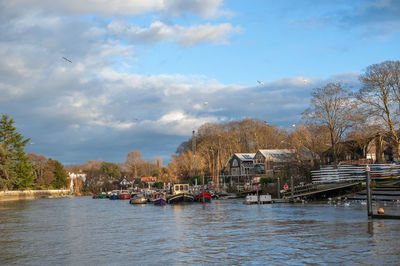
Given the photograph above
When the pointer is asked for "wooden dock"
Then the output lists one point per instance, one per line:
(384, 216)
(379, 215)
(319, 189)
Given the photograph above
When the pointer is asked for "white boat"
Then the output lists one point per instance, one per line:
(261, 199)
(137, 199)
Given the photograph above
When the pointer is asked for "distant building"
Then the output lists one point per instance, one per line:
(376, 149)
(149, 180)
(76, 181)
(125, 183)
(74, 176)
(270, 161)
(158, 161)
(241, 164)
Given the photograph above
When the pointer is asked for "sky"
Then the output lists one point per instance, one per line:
(95, 79)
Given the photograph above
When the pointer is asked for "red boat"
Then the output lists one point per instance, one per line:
(207, 197)
(124, 195)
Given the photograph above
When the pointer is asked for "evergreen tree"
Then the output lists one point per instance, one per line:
(3, 173)
(16, 171)
(60, 175)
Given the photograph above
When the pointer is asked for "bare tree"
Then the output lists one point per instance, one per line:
(381, 97)
(133, 158)
(332, 108)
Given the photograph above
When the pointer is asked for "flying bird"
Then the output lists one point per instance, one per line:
(66, 59)
(260, 82)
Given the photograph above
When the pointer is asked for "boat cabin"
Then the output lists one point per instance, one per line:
(180, 188)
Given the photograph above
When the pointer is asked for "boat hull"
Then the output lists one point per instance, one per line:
(114, 197)
(181, 198)
(207, 197)
(100, 196)
(138, 200)
(124, 196)
(160, 202)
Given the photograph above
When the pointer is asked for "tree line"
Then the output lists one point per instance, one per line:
(19, 170)
(104, 176)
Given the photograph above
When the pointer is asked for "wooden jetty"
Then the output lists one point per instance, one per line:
(369, 200)
(315, 190)
(319, 189)
(384, 216)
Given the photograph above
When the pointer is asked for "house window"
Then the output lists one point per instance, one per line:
(235, 163)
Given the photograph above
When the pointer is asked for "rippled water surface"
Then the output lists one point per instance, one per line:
(85, 231)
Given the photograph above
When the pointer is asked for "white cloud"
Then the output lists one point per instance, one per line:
(179, 123)
(185, 36)
(204, 8)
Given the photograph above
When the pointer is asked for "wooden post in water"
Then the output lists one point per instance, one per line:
(292, 188)
(279, 188)
(204, 200)
(368, 184)
(258, 196)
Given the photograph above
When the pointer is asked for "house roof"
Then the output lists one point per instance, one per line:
(245, 156)
(149, 179)
(279, 155)
(287, 155)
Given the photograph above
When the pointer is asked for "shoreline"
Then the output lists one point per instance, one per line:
(13, 195)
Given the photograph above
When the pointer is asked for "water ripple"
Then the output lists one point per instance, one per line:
(83, 231)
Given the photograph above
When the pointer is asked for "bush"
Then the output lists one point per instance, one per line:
(158, 185)
(265, 180)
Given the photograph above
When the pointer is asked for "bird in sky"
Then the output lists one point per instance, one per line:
(260, 82)
(66, 59)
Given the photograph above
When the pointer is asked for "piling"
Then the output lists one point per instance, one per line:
(292, 187)
(279, 188)
(369, 194)
(203, 198)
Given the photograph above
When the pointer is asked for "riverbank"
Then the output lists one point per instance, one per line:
(33, 194)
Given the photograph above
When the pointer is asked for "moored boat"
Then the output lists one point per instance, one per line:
(255, 199)
(180, 194)
(124, 195)
(160, 202)
(113, 196)
(137, 199)
(101, 195)
(207, 197)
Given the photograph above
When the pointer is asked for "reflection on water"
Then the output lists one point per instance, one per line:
(78, 231)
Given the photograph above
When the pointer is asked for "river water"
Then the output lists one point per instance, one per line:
(86, 231)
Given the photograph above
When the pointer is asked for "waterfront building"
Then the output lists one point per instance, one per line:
(241, 164)
(150, 180)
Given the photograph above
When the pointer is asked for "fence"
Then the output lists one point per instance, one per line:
(352, 173)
